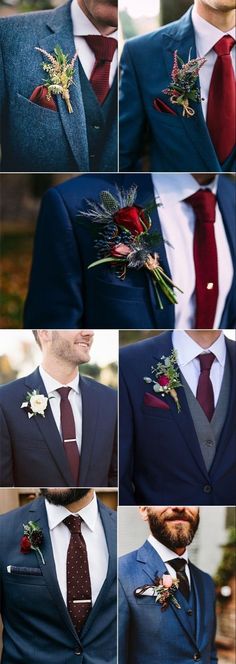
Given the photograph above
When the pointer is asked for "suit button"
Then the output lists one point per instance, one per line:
(207, 488)
(209, 443)
(78, 652)
(189, 612)
(96, 127)
(197, 656)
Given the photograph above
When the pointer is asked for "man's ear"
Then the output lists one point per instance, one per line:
(143, 511)
(44, 335)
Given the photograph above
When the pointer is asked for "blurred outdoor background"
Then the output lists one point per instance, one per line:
(213, 550)
(10, 7)
(131, 336)
(20, 355)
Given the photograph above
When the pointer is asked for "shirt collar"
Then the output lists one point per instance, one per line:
(52, 384)
(57, 513)
(164, 552)
(206, 34)
(174, 189)
(187, 349)
(82, 26)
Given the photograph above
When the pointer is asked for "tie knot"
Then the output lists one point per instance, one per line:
(64, 392)
(206, 360)
(224, 45)
(73, 523)
(102, 47)
(178, 564)
(203, 203)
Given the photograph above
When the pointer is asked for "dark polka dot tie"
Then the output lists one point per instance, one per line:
(179, 565)
(79, 595)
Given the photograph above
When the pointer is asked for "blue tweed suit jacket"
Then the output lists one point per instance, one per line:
(149, 635)
(177, 143)
(37, 626)
(39, 139)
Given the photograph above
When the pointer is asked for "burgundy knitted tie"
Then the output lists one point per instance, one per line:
(103, 49)
(69, 432)
(203, 203)
(79, 594)
(222, 100)
(205, 394)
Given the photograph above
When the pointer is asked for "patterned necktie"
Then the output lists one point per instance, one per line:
(69, 432)
(103, 49)
(203, 203)
(205, 393)
(222, 100)
(179, 565)
(79, 594)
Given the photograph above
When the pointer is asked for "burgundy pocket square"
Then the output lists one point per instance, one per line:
(40, 97)
(160, 106)
(155, 402)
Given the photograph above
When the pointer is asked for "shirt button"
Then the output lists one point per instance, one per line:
(197, 656)
(209, 443)
(207, 488)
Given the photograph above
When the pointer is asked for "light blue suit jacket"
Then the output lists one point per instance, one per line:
(35, 138)
(149, 635)
(177, 143)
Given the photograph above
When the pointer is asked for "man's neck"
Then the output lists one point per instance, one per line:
(63, 372)
(102, 27)
(80, 504)
(221, 19)
(204, 178)
(204, 338)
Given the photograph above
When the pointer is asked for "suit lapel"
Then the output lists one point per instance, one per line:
(90, 413)
(182, 38)
(49, 429)
(37, 512)
(74, 124)
(198, 587)
(219, 458)
(111, 539)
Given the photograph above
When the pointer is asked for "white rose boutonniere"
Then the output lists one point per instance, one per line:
(35, 403)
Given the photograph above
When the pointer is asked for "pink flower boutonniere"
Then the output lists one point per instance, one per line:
(32, 539)
(184, 84)
(167, 377)
(163, 589)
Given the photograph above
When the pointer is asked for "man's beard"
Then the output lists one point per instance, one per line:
(179, 536)
(64, 497)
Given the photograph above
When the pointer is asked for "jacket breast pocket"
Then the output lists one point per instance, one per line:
(35, 112)
(119, 291)
(23, 571)
(157, 413)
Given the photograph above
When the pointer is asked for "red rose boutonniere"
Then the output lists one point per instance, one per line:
(163, 589)
(167, 377)
(32, 539)
(184, 84)
(127, 241)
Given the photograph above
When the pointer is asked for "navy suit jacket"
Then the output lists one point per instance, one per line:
(177, 143)
(35, 138)
(148, 634)
(160, 456)
(63, 293)
(37, 626)
(31, 450)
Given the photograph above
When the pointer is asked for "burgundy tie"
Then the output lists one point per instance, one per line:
(203, 203)
(222, 100)
(79, 595)
(103, 49)
(69, 432)
(205, 394)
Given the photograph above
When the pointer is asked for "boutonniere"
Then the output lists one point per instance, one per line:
(184, 84)
(163, 589)
(60, 74)
(126, 240)
(36, 403)
(167, 377)
(32, 539)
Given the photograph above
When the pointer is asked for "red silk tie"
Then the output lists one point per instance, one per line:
(203, 203)
(222, 100)
(103, 49)
(79, 594)
(205, 394)
(69, 433)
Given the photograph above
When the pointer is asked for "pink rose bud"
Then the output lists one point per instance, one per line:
(167, 580)
(163, 380)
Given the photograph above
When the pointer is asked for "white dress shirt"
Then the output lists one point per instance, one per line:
(74, 397)
(94, 536)
(206, 36)
(82, 27)
(166, 554)
(177, 221)
(188, 350)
